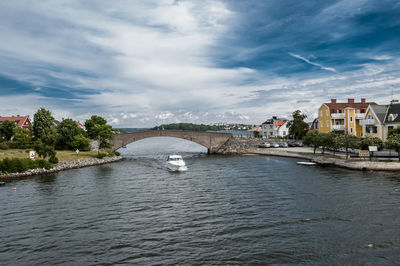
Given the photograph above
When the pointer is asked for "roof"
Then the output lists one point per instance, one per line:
(340, 106)
(395, 110)
(271, 120)
(19, 120)
(380, 111)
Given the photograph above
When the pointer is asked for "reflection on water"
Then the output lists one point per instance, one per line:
(224, 210)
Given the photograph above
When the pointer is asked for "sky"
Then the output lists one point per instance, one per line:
(152, 62)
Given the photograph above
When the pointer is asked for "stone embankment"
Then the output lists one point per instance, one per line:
(327, 161)
(239, 145)
(62, 166)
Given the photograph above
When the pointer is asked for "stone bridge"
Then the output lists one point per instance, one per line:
(213, 141)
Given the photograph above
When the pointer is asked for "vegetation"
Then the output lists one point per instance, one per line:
(393, 141)
(91, 123)
(67, 130)
(22, 138)
(42, 122)
(17, 165)
(45, 145)
(313, 138)
(297, 127)
(188, 126)
(6, 130)
(80, 143)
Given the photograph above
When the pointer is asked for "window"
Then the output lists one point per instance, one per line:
(327, 123)
(284, 133)
(351, 130)
(369, 116)
(351, 119)
(320, 113)
(337, 122)
(368, 130)
(327, 112)
(390, 128)
(322, 124)
(374, 130)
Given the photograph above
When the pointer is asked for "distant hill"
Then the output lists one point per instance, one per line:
(188, 126)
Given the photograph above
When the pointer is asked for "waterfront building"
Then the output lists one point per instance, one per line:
(20, 121)
(275, 127)
(380, 119)
(343, 117)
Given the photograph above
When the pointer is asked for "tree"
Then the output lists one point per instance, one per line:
(42, 122)
(368, 141)
(256, 133)
(312, 138)
(81, 143)
(297, 127)
(347, 142)
(393, 142)
(22, 137)
(326, 140)
(44, 146)
(66, 132)
(91, 123)
(103, 133)
(6, 130)
(394, 131)
(334, 143)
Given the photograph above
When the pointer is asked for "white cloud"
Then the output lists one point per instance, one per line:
(313, 63)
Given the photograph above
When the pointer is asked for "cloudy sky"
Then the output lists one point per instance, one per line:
(143, 63)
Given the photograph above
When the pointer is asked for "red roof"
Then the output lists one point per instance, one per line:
(21, 121)
(341, 106)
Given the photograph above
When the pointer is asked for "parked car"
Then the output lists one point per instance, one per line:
(283, 144)
(274, 145)
(297, 143)
(264, 145)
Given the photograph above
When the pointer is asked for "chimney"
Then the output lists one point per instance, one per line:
(350, 100)
(362, 100)
(333, 100)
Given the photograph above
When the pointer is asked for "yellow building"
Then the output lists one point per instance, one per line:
(343, 117)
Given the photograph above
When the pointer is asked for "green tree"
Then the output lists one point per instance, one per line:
(42, 122)
(393, 142)
(313, 138)
(22, 137)
(347, 142)
(103, 133)
(66, 132)
(297, 127)
(6, 130)
(334, 143)
(44, 146)
(91, 123)
(327, 141)
(364, 143)
(81, 143)
(394, 131)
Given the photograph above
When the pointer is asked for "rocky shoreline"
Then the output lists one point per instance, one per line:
(61, 166)
(326, 161)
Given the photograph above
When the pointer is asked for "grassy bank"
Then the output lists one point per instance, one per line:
(63, 156)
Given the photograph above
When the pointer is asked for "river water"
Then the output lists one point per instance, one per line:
(223, 210)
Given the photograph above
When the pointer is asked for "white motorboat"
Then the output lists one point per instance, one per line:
(176, 163)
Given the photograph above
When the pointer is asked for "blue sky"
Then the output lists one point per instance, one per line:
(143, 63)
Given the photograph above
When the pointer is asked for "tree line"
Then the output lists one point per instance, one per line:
(188, 126)
(45, 137)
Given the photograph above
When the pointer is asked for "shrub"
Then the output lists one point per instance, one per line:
(116, 153)
(53, 160)
(101, 155)
(3, 146)
(113, 153)
(43, 164)
(16, 165)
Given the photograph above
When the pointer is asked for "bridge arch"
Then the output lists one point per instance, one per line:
(211, 140)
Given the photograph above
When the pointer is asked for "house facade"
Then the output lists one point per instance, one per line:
(343, 117)
(380, 119)
(20, 121)
(275, 127)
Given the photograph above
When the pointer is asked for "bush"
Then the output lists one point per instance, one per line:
(53, 160)
(113, 153)
(16, 165)
(3, 146)
(101, 155)
(116, 153)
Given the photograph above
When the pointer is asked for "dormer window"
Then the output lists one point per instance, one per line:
(390, 117)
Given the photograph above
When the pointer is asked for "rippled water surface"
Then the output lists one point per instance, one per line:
(223, 210)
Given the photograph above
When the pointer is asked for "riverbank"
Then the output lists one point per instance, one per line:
(306, 153)
(61, 166)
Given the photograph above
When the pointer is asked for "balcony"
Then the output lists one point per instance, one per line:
(360, 115)
(367, 122)
(338, 116)
(338, 127)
